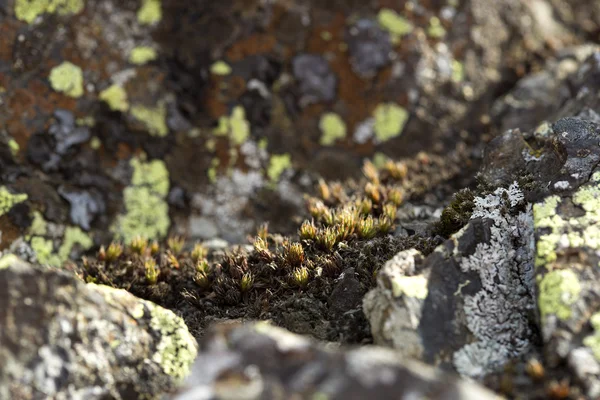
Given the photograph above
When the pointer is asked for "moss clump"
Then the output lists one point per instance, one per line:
(8, 200)
(395, 24)
(390, 119)
(277, 164)
(146, 209)
(116, 98)
(332, 128)
(457, 213)
(67, 78)
(29, 10)
(558, 291)
(220, 68)
(142, 55)
(235, 126)
(154, 118)
(150, 12)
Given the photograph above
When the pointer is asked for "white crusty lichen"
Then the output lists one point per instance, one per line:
(497, 313)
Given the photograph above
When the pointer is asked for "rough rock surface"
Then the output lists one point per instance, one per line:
(260, 361)
(63, 339)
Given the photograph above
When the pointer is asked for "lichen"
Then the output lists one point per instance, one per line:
(73, 236)
(411, 286)
(150, 12)
(558, 291)
(116, 98)
(13, 146)
(154, 118)
(435, 28)
(142, 54)
(395, 24)
(235, 126)
(332, 128)
(458, 71)
(67, 78)
(7, 260)
(29, 10)
(8, 200)
(220, 68)
(146, 209)
(277, 164)
(390, 119)
(177, 348)
(44, 251)
(593, 341)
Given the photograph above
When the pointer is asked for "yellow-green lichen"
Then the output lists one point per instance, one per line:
(142, 54)
(73, 236)
(177, 348)
(146, 208)
(390, 119)
(410, 286)
(380, 159)
(8, 200)
(155, 118)
(95, 143)
(29, 10)
(435, 29)
(150, 12)
(332, 128)
(588, 197)
(44, 251)
(558, 291)
(7, 260)
(13, 147)
(277, 164)
(116, 98)
(235, 126)
(458, 71)
(593, 341)
(220, 68)
(67, 78)
(44, 248)
(395, 24)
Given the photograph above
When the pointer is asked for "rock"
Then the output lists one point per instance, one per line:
(260, 361)
(65, 339)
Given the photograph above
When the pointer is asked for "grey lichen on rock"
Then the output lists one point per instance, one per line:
(67, 339)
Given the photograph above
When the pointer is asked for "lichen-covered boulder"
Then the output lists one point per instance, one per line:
(260, 361)
(63, 339)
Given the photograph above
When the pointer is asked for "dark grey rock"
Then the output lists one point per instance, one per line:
(316, 80)
(369, 46)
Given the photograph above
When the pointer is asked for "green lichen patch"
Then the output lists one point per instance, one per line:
(67, 78)
(435, 28)
(155, 118)
(277, 164)
(116, 98)
(558, 291)
(45, 251)
(220, 68)
(177, 348)
(146, 209)
(458, 71)
(593, 341)
(390, 119)
(29, 10)
(332, 128)
(235, 126)
(13, 146)
(8, 200)
(395, 24)
(142, 54)
(150, 12)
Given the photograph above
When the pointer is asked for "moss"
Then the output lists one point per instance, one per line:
(67, 78)
(332, 128)
(8, 199)
(116, 98)
(457, 213)
(142, 54)
(150, 12)
(410, 286)
(277, 164)
(395, 24)
(29, 10)
(177, 348)
(155, 118)
(220, 68)
(558, 291)
(390, 119)
(146, 209)
(435, 28)
(235, 126)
